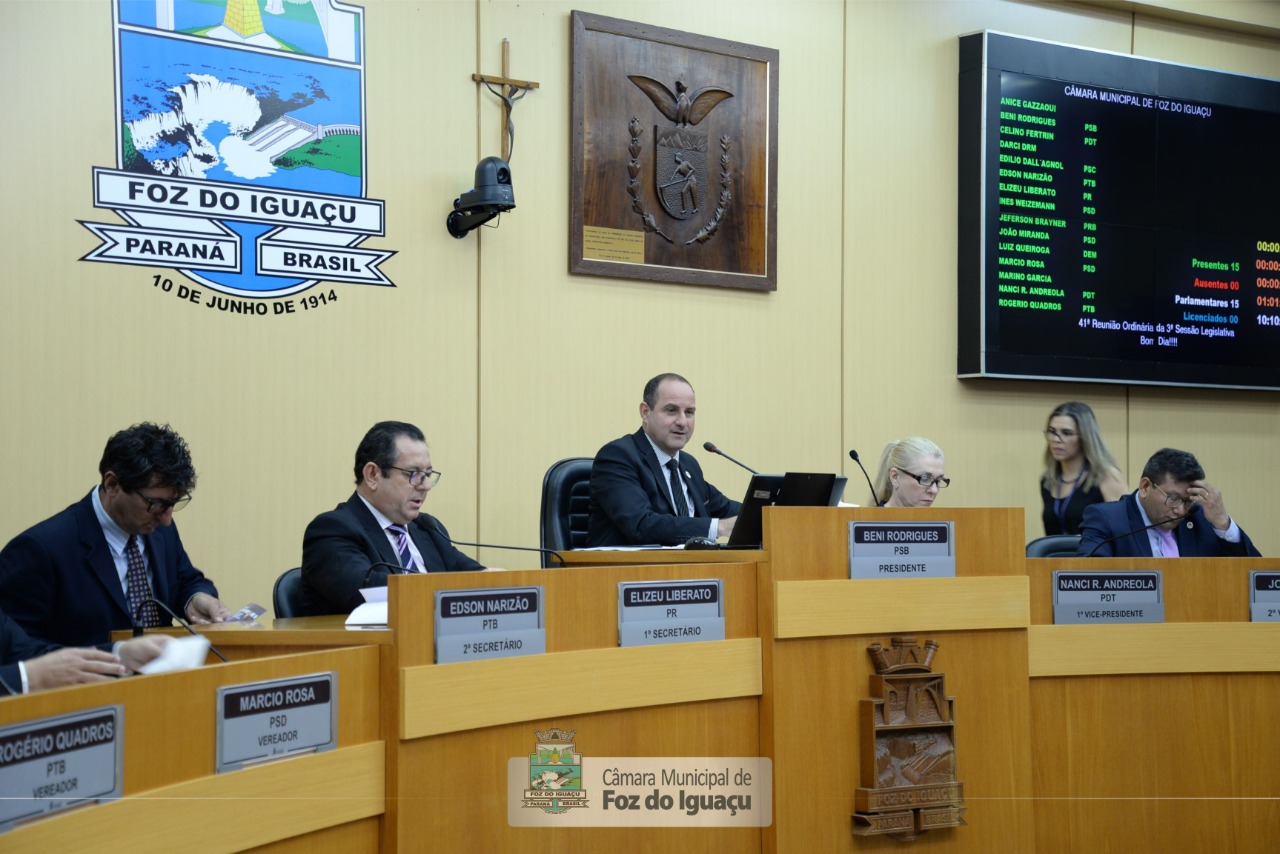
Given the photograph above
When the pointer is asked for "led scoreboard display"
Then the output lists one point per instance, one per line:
(1119, 218)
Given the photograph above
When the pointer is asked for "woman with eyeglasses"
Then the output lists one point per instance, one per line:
(1078, 468)
(911, 473)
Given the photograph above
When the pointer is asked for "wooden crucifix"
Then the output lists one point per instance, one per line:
(511, 91)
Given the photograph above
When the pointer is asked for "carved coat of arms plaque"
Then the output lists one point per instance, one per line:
(909, 784)
(674, 171)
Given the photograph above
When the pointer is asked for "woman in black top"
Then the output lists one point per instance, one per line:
(1079, 469)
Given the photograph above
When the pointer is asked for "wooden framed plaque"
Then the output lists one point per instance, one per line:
(674, 156)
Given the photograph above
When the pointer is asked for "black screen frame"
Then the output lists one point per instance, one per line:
(982, 58)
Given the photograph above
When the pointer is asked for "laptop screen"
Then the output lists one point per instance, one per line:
(793, 489)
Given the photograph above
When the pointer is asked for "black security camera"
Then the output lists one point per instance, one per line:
(491, 196)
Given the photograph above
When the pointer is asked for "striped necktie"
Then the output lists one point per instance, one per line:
(678, 502)
(402, 547)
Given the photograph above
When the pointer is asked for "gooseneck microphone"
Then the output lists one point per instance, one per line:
(137, 626)
(9, 688)
(853, 455)
(394, 569)
(711, 448)
(1195, 508)
(435, 526)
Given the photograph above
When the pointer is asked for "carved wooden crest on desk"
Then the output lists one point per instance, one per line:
(909, 784)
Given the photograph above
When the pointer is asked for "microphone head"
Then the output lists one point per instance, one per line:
(853, 455)
(709, 447)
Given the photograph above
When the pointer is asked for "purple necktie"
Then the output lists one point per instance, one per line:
(402, 547)
(1168, 545)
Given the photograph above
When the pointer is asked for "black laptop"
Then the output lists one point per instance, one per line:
(793, 489)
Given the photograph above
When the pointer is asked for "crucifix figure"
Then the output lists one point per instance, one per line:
(510, 92)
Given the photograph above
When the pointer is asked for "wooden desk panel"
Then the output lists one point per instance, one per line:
(1157, 763)
(817, 671)
(581, 608)
(172, 795)
(988, 541)
(267, 637)
(1155, 737)
(1208, 590)
(670, 700)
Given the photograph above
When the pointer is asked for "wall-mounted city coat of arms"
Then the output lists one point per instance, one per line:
(674, 174)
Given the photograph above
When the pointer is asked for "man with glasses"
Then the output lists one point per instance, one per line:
(103, 563)
(380, 529)
(1186, 512)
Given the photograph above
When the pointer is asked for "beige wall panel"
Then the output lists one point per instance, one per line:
(563, 358)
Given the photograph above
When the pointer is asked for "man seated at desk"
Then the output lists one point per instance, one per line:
(96, 567)
(381, 528)
(27, 664)
(645, 490)
(1186, 514)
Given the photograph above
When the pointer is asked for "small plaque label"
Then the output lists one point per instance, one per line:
(500, 622)
(651, 612)
(259, 721)
(55, 763)
(612, 244)
(1264, 596)
(1134, 596)
(902, 550)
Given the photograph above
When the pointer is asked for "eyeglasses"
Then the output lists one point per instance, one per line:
(1173, 502)
(418, 478)
(928, 480)
(1063, 435)
(157, 506)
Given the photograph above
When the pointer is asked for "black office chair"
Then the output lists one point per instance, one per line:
(286, 596)
(1057, 545)
(566, 506)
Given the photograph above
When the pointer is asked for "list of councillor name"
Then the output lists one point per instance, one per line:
(1089, 247)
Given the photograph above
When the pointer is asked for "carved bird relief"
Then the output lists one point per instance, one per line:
(682, 108)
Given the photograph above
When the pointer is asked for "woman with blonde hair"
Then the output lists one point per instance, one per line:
(911, 473)
(1078, 468)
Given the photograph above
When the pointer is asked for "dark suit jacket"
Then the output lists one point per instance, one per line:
(16, 645)
(59, 582)
(630, 500)
(1195, 535)
(339, 547)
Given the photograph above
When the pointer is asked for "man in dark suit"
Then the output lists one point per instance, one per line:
(27, 664)
(1192, 519)
(94, 568)
(644, 490)
(380, 528)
